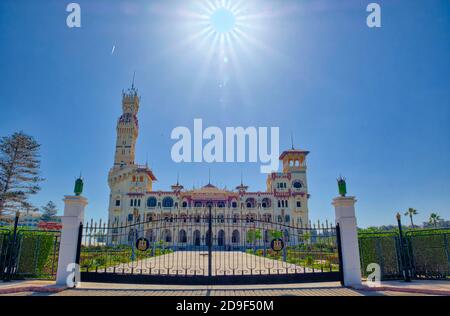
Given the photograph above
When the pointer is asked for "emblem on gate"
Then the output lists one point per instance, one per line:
(277, 244)
(142, 244)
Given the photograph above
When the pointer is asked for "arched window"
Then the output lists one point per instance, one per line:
(221, 205)
(151, 202)
(184, 204)
(235, 237)
(250, 218)
(167, 202)
(287, 218)
(221, 238)
(182, 237)
(266, 203)
(132, 235)
(220, 218)
(250, 203)
(166, 235)
(198, 204)
(280, 219)
(196, 238)
(234, 204)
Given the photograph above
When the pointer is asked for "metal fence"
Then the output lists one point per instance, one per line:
(383, 249)
(5, 237)
(418, 254)
(208, 249)
(26, 253)
(429, 253)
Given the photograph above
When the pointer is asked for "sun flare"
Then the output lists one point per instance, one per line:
(223, 20)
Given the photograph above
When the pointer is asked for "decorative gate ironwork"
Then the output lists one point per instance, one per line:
(182, 250)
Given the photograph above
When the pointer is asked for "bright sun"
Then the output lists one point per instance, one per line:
(229, 34)
(223, 20)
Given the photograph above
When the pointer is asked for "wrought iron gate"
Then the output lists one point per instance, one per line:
(206, 249)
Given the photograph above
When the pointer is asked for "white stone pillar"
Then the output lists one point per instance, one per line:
(73, 216)
(345, 217)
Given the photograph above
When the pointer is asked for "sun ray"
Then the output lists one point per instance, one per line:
(229, 37)
(200, 78)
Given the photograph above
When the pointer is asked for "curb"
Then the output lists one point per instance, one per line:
(39, 289)
(404, 290)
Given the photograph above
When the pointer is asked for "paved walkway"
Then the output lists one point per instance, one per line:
(37, 286)
(431, 287)
(394, 288)
(196, 263)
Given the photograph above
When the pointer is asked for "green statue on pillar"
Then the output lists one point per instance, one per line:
(342, 186)
(78, 186)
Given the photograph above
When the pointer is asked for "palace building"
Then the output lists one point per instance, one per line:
(132, 198)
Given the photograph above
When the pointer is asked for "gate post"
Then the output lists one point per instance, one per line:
(345, 217)
(73, 217)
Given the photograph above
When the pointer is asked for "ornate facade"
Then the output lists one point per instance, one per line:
(132, 197)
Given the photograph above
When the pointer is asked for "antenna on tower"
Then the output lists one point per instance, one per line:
(242, 182)
(292, 141)
(209, 176)
(132, 84)
(146, 159)
(178, 177)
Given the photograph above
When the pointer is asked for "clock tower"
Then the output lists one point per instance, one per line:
(127, 129)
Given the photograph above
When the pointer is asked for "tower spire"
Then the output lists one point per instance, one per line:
(132, 83)
(292, 141)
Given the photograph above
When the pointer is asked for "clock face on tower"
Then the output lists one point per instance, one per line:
(297, 184)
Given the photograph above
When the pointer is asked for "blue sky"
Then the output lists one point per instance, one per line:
(370, 104)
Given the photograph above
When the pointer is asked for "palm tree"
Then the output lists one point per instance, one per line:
(411, 212)
(434, 219)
